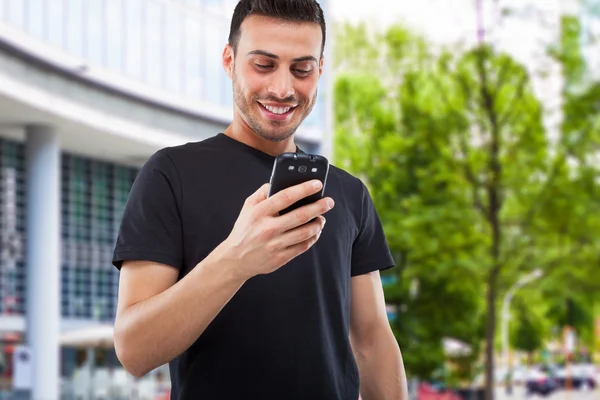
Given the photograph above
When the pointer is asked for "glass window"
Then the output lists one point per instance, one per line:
(68, 362)
(94, 195)
(154, 44)
(36, 20)
(193, 59)
(133, 38)
(212, 43)
(16, 13)
(114, 35)
(95, 20)
(56, 23)
(308, 147)
(12, 245)
(214, 6)
(194, 3)
(76, 35)
(173, 58)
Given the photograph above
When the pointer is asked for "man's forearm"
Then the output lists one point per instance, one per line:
(381, 368)
(153, 332)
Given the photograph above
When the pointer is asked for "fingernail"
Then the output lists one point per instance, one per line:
(324, 220)
(330, 203)
(317, 184)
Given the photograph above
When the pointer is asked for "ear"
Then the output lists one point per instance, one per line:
(321, 62)
(228, 60)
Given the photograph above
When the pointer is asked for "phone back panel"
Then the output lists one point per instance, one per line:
(290, 169)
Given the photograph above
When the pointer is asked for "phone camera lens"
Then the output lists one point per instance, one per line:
(302, 169)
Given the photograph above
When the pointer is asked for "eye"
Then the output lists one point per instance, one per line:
(263, 66)
(302, 72)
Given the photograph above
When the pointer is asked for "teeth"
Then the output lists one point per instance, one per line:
(277, 110)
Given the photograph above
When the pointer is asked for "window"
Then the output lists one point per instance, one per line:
(154, 32)
(133, 42)
(16, 13)
(194, 3)
(94, 30)
(36, 18)
(56, 23)
(94, 196)
(213, 41)
(193, 59)
(173, 49)
(216, 7)
(74, 28)
(12, 243)
(114, 35)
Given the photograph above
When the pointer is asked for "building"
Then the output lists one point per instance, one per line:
(89, 89)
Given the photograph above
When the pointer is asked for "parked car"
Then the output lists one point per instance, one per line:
(540, 381)
(579, 376)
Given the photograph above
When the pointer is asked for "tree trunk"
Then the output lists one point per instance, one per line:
(530, 358)
(490, 334)
(493, 187)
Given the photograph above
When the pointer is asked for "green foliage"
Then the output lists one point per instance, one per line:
(528, 329)
(472, 188)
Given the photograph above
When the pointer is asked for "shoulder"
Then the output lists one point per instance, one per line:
(348, 192)
(179, 157)
(349, 183)
(187, 151)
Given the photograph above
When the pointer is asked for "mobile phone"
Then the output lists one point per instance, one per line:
(290, 169)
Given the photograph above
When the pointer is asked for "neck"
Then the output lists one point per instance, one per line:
(243, 133)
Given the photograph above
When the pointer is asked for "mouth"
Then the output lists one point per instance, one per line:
(278, 113)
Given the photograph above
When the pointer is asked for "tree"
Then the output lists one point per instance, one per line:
(528, 332)
(471, 187)
(443, 265)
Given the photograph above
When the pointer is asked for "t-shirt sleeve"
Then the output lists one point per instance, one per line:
(151, 228)
(370, 251)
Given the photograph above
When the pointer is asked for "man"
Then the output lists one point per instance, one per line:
(244, 303)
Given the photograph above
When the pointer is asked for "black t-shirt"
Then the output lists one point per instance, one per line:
(283, 335)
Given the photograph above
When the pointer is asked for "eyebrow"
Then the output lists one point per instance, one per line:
(276, 57)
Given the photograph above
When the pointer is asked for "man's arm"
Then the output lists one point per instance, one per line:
(380, 365)
(157, 318)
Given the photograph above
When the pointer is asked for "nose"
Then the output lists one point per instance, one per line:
(282, 85)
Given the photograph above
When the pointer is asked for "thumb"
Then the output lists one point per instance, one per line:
(259, 195)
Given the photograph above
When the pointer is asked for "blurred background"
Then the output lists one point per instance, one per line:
(474, 123)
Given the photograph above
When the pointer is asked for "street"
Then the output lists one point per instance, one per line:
(519, 394)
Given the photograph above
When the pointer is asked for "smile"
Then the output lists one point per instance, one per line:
(277, 112)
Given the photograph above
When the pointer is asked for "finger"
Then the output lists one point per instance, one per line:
(259, 196)
(300, 234)
(294, 251)
(304, 214)
(285, 198)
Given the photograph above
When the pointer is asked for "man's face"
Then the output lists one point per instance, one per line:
(275, 74)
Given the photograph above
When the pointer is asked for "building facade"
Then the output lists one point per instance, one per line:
(89, 89)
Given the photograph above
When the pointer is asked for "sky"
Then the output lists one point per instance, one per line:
(523, 35)
(441, 20)
(444, 20)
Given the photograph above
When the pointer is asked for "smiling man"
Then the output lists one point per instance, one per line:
(242, 302)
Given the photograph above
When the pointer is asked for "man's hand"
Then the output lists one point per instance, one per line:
(262, 240)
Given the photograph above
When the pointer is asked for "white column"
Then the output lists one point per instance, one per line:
(43, 258)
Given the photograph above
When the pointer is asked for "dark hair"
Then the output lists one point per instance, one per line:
(289, 10)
